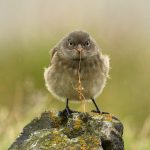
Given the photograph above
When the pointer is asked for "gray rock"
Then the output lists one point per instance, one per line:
(78, 131)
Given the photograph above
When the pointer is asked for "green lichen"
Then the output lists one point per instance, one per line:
(79, 131)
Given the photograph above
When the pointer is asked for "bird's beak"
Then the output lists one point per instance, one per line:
(79, 48)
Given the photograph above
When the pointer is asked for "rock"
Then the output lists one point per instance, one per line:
(78, 131)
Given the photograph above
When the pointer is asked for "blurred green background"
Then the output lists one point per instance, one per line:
(29, 29)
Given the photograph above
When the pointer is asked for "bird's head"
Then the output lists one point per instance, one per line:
(76, 43)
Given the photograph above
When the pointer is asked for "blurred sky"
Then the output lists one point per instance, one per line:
(29, 28)
(113, 18)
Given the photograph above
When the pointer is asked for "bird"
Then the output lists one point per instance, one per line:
(78, 69)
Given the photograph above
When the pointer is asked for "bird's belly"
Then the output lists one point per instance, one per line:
(64, 83)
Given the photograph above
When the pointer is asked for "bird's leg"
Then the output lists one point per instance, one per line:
(67, 107)
(97, 109)
(67, 111)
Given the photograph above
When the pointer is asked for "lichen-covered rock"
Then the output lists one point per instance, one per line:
(78, 131)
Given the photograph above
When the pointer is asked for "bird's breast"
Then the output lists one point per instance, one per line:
(89, 72)
(63, 78)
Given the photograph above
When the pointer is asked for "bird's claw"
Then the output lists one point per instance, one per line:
(96, 111)
(99, 112)
(67, 112)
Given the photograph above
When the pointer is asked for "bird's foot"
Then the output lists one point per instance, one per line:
(67, 112)
(99, 112)
(96, 111)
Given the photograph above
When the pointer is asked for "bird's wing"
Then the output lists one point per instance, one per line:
(53, 51)
(105, 67)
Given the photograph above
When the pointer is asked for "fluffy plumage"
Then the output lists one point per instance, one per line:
(61, 76)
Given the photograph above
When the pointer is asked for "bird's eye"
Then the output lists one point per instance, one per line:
(70, 44)
(87, 43)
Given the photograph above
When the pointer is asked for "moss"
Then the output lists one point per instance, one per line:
(79, 131)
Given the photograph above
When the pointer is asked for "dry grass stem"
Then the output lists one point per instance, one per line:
(80, 88)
